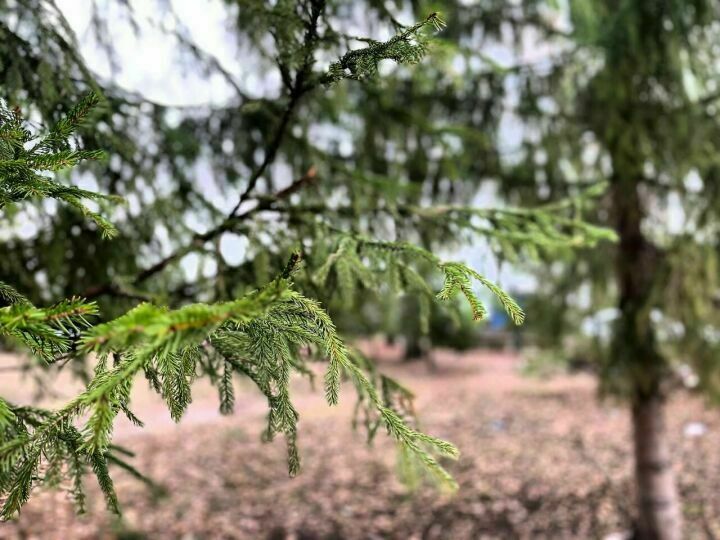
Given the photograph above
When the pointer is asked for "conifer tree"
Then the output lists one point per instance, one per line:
(625, 92)
(262, 319)
(648, 110)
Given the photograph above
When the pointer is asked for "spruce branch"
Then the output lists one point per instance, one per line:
(409, 46)
(25, 157)
(351, 272)
(266, 336)
(300, 85)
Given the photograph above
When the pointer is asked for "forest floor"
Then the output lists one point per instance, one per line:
(540, 459)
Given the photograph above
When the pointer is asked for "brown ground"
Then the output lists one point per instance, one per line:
(541, 459)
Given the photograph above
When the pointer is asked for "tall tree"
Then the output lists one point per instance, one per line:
(627, 92)
(651, 109)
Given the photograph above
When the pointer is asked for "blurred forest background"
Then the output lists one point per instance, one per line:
(565, 149)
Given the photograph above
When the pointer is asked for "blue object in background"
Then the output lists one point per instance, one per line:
(499, 320)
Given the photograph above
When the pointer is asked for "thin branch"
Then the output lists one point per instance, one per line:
(271, 152)
(300, 87)
(198, 240)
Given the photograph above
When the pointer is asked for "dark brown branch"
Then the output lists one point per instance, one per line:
(297, 185)
(198, 240)
(300, 86)
(271, 151)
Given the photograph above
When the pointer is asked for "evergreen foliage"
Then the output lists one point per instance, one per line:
(26, 159)
(407, 47)
(261, 336)
(359, 223)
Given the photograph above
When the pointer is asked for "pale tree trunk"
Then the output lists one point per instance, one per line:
(658, 503)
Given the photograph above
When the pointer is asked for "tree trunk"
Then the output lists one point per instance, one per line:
(414, 349)
(638, 362)
(659, 506)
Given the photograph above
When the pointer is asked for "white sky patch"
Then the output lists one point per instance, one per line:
(233, 248)
(190, 264)
(148, 60)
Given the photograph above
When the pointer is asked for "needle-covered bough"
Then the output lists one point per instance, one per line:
(266, 335)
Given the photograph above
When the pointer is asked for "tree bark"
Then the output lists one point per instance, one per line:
(637, 357)
(414, 349)
(658, 503)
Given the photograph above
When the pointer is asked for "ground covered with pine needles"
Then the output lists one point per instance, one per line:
(540, 459)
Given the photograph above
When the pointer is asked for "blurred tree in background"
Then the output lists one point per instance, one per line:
(626, 92)
(631, 96)
(363, 182)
